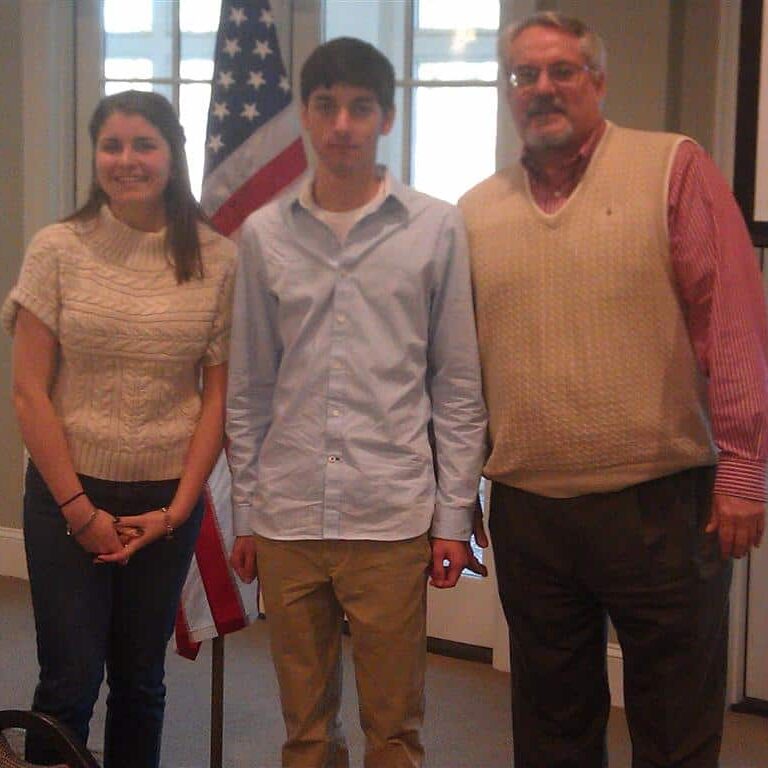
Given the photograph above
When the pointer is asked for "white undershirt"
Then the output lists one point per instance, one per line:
(341, 222)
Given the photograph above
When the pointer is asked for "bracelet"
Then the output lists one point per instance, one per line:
(167, 521)
(81, 529)
(71, 499)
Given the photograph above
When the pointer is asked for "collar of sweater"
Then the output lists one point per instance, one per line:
(113, 241)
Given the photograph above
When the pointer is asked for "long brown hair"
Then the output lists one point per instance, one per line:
(182, 211)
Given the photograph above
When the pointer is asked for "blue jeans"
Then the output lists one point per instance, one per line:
(90, 616)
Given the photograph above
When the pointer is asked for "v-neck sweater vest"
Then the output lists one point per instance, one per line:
(589, 374)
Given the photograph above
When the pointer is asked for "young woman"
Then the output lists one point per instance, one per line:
(121, 320)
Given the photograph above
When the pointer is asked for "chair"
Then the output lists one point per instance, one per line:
(72, 753)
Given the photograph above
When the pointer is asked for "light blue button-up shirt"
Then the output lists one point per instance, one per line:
(342, 355)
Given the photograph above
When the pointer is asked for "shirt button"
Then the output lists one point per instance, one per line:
(335, 412)
(333, 459)
(341, 319)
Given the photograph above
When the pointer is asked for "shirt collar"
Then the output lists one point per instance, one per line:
(403, 202)
(304, 198)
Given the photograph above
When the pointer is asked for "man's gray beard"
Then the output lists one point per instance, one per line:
(534, 140)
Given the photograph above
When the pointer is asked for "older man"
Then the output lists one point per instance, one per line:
(623, 342)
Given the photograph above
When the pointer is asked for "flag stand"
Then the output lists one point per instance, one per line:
(217, 701)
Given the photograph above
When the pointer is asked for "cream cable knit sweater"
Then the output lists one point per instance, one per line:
(132, 340)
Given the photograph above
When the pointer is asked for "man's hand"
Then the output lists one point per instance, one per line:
(243, 558)
(449, 558)
(739, 523)
(481, 539)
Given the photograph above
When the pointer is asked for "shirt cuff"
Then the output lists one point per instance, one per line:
(455, 524)
(241, 515)
(740, 477)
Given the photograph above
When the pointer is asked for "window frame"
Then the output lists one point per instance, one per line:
(408, 84)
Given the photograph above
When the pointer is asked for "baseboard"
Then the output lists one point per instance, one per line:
(457, 650)
(12, 560)
(751, 707)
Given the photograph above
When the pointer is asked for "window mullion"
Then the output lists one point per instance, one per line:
(175, 54)
(407, 150)
(416, 83)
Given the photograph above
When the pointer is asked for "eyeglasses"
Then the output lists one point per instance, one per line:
(560, 72)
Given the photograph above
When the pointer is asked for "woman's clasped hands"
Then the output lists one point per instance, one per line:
(92, 528)
(135, 533)
(116, 539)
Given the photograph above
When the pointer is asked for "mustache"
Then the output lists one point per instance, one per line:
(544, 105)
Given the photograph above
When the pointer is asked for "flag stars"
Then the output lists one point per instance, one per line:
(232, 47)
(249, 112)
(215, 143)
(225, 80)
(256, 79)
(250, 83)
(262, 49)
(237, 16)
(220, 109)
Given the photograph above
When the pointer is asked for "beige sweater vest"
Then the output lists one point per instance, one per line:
(589, 374)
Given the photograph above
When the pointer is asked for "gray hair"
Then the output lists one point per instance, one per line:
(590, 43)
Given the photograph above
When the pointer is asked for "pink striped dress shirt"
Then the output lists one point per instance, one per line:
(721, 292)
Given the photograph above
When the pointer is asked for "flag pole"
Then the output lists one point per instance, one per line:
(217, 701)
(254, 150)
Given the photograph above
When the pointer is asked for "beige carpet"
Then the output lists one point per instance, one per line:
(467, 724)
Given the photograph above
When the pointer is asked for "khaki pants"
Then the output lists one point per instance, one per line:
(308, 587)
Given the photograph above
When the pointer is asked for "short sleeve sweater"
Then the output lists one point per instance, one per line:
(132, 340)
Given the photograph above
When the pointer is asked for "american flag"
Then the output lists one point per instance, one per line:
(253, 152)
(213, 601)
(253, 146)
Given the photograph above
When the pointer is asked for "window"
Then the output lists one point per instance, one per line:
(165, 46)
(444, 53)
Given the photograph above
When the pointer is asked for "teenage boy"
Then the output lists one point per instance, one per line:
(353, 339)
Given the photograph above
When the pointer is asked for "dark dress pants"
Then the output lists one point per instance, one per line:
(640, 556)
(89, 616)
